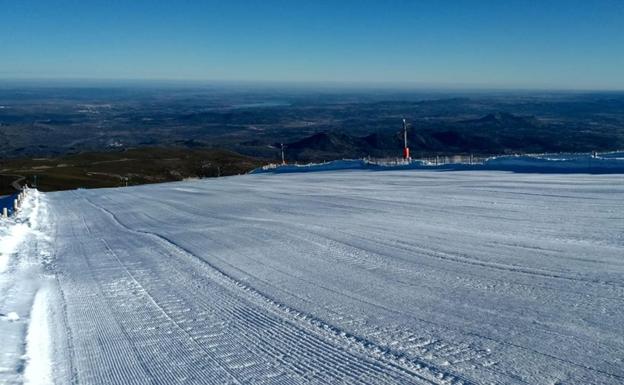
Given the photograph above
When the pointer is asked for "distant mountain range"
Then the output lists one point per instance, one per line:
(496, 133)
(38, 122)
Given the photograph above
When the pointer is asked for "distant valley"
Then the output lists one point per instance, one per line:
(313, 124)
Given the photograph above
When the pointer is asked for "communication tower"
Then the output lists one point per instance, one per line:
(406, 152)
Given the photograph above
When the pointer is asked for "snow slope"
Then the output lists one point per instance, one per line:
(351, 277)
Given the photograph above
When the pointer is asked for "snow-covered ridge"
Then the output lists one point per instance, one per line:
(610, 163)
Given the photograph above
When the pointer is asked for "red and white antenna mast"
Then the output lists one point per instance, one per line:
(406, 154)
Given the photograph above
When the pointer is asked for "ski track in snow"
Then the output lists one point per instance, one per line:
(352, 277)
(38, 367)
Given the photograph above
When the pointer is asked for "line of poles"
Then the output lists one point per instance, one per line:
(17, 203)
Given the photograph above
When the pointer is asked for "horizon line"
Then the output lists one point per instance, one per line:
(311, 84)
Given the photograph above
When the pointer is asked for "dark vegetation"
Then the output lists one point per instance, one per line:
(121, 167)
(38, 121)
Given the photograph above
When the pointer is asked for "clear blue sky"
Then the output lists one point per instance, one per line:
(526, 44)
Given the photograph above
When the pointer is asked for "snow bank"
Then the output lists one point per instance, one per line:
(24, 246)
(14, 229)
(580, 163)
(12, 235)
(344, 164)
(345, 277)
(549, 163)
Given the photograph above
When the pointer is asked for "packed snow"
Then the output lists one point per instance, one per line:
(351, 276)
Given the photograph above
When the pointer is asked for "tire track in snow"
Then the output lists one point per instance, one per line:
(247, 332)
(153, 301)
(395, 360)
(422, 363)
(121, 290)
(136, 318)
(297, 234)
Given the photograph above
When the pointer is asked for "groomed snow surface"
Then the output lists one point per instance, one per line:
(355, 277)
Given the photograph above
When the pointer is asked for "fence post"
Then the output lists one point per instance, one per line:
(5, 212)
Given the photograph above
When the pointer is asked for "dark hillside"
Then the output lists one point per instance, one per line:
(115, 168)
(496, 133)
